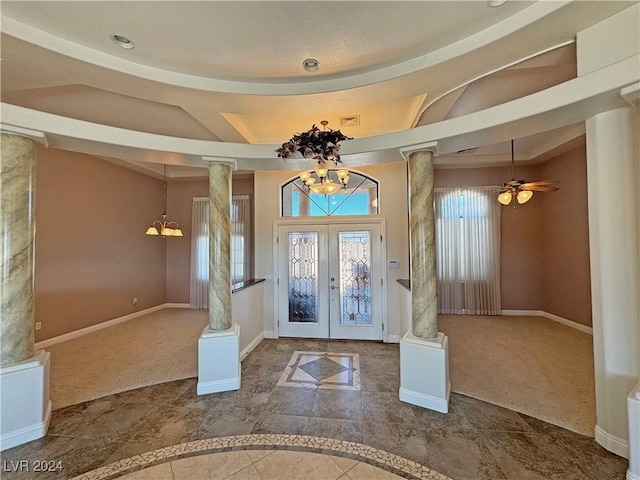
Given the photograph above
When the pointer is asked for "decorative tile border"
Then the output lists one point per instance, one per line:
(357, 451)
(352, 359)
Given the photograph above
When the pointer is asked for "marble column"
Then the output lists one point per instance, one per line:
(219, 344)
(424, 323)
(219, 246)
(17, 228)
(25, 408)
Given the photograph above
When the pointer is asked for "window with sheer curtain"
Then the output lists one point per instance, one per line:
(468, 250)
(241, 251)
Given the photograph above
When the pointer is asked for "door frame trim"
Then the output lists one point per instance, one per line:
(333, 220)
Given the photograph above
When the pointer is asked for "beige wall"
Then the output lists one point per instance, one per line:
(566, 285)
(92, 256)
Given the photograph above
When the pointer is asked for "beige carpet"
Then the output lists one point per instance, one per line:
(528, 364)
(155, 348)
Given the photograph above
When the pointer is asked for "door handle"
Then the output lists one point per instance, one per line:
(333, 287)
(332, 279)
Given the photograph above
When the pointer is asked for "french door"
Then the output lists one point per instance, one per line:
(330, 281)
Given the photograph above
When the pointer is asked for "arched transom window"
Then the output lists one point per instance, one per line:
(358, 197)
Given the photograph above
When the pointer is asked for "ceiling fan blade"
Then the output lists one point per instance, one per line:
(533, 187)
(540, 182)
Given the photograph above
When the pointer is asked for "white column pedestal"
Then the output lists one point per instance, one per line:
(25, 408)
(633, 417)
(424, 372)
(219, 360)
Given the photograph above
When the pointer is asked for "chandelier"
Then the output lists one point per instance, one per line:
(165, 228)
(320, 182)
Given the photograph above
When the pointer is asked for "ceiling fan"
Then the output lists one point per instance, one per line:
(521, 190)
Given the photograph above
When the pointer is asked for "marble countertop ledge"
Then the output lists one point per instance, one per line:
(236, 287)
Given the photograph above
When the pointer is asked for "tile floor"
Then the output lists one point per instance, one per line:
(475, 440)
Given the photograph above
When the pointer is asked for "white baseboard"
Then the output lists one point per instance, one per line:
(28, 434)
(249, 348)
(393, 338)
(270, 334)
(218, 386)
(550, 316)
(425, 401)
(632, 476)
(109, 323)
(177, 305)
(568, 323)
(614, 444)
(523, 313)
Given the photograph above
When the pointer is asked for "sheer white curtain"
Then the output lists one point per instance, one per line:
(241, 238)
(199, 289)
(241, 264)
(468, 250)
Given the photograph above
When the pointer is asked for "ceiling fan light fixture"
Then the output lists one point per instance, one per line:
(524, 196)
(505, 198)
(521, 190)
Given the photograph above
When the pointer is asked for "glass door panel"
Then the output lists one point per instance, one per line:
(303, 276)
(355, 278)
(302, 281)
(355, 270)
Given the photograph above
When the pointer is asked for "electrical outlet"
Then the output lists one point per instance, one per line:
(38, 325)
(135, 300)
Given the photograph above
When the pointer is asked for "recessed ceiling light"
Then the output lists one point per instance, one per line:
(496, 3)
(122, 41)
(311, 65)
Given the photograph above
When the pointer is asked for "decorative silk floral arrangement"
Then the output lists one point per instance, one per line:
(321, 145)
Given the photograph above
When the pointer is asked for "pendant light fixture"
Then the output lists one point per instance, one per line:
(164, 227)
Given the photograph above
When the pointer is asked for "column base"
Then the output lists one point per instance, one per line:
(25, 407)
(424, 372)
(219, 360)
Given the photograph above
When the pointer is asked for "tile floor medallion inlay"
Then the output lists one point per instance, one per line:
(338, 371)
(348, 457)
